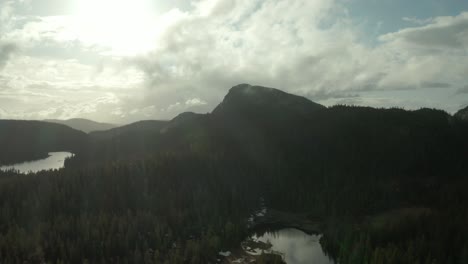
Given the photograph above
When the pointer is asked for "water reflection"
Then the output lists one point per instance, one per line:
(296, 246)
(56, 160)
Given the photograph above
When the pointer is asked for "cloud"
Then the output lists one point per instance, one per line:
(46, 107)
(189, 104)
(435, 85)
(442, 33)
(50, 29)
(223, 43)
(194, 54)
(463, 90)
(3, 114)
(34, 88)
(7, 50)
(307, 47)
(417, 21)
(195, 102)
(330, 94)
(6, 10)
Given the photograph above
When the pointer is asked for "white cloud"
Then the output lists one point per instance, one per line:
(277, 43)
(417, 21)
(442, 33)
(33, 88)
(6, 9)
(195, 102)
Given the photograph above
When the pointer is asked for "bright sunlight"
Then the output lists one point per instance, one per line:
(125, 26)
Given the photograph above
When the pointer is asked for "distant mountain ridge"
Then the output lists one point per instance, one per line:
(258, 122)
(22, 140)
(147, 126)
(82, 124)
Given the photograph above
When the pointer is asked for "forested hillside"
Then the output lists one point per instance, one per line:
(387, 185)
(29, 140)
(82, 124)
(173, 209)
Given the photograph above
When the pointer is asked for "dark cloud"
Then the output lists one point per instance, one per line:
(331, 94)
(6, 52)
(463, 90)
(435, 85)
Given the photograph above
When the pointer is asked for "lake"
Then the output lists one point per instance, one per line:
(56, 160)
(295, 246)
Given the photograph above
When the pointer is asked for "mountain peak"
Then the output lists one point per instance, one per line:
(246, 97)
(250, 89)
(185, 116)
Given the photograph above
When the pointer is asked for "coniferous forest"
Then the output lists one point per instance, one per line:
(386, 185)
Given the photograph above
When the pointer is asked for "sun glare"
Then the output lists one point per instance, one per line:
(124, 26)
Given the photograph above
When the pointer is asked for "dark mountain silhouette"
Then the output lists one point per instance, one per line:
(383, 185)
(82, 124)
(245, 99)
(185, 117)
(145, 127)
(29, 140)
(132, 140)
(462, 114)
(182, 119)
(262, 124)
(261, 121)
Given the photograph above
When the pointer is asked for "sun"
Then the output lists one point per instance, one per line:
(126, 27)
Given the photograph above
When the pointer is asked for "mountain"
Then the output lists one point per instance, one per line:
(381, 185)
(134, 129)
(261, 124)
(29, 140)
(245, 99)
(462, 114)
(133, 140)
(185, 117)
(182, 120)
(84, 125)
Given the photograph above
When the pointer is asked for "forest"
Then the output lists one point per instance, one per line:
(388, 185)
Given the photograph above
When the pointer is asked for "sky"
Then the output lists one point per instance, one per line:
(121, 61)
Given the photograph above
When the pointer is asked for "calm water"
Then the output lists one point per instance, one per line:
(296, 246)
(55, 160)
